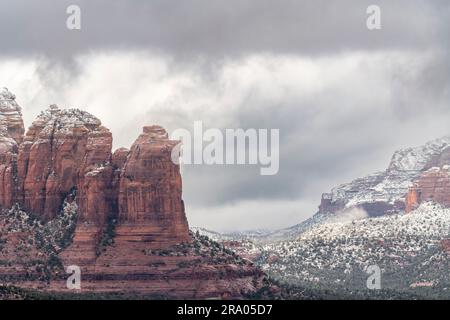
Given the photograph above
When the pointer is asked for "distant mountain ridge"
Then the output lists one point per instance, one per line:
(397, 220)
(67, 200)
(385, 192)
(377, 194)
(411, 251)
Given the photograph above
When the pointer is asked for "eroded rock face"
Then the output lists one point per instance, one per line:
(140, 189)
(60, 147)
(11, 122)
(130, 233)
(387, 191)
(11, 134)
(8, 167)
(69, 151)
(150, 204)
(412, 200)
(433, 185)
(119, 158)
(446, 245)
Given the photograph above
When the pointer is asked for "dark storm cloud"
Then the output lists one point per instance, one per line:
(197, 28)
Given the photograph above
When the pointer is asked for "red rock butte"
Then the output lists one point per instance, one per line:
(66, 150)
(66, 157)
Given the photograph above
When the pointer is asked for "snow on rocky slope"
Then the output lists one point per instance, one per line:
(376, 194)
(232, 236)
(64, 120)
(360, 224)
(384, 192)
(409, 249)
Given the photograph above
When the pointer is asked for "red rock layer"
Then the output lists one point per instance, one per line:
(433, 185)
(131, 234)
(142, 189)
(11, 134)
(8, 166)
(150, 204)
(413, 199)
(69, 150)
(446, 245)
(60, 147)
(177, 277)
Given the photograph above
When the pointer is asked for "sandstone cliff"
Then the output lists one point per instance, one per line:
(67, 199)
(432, 185)
(388, 191)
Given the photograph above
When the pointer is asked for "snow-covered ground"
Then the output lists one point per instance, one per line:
(407, 248)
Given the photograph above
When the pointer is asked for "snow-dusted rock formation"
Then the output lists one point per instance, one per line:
(385, 192)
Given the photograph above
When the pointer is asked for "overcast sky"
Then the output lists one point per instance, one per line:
(343, 97)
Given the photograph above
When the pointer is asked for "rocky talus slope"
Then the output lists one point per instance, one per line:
(67, 199)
